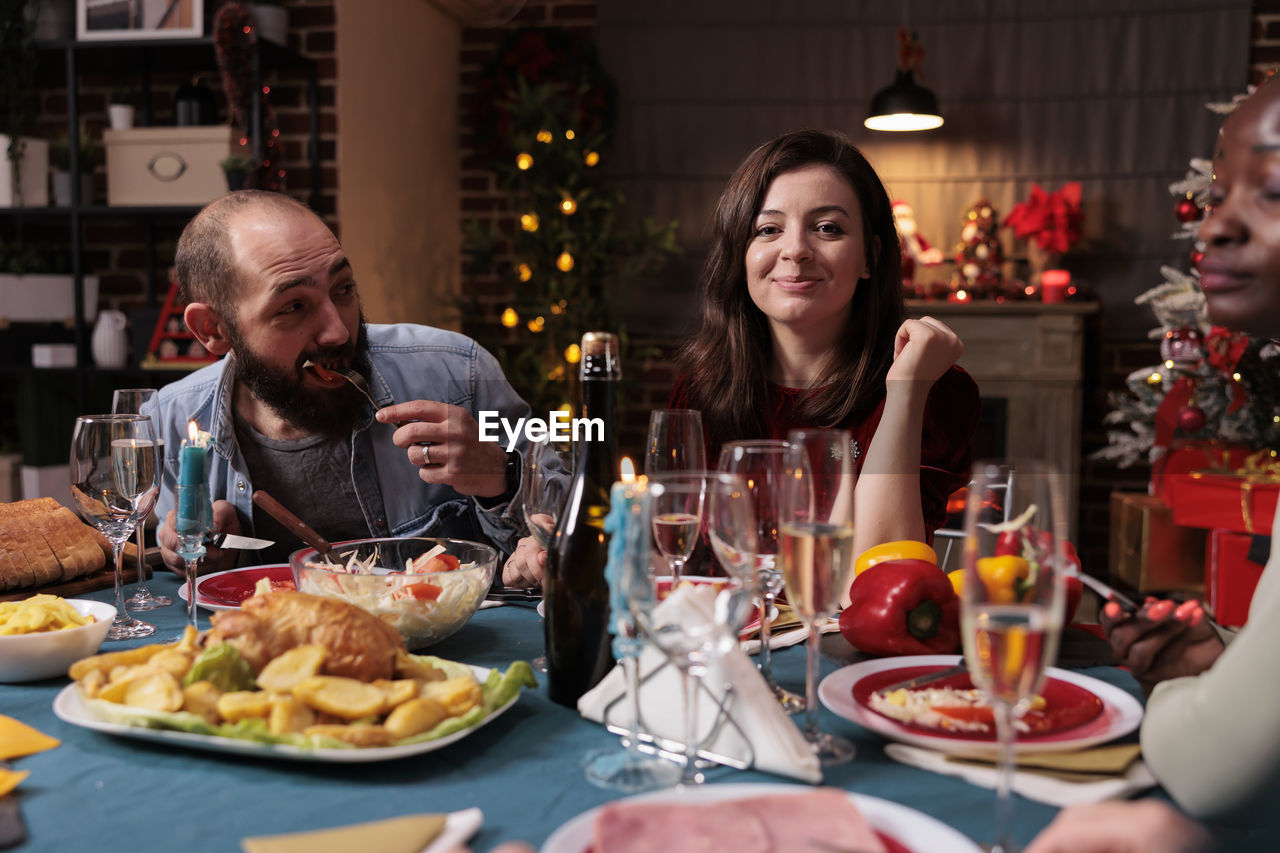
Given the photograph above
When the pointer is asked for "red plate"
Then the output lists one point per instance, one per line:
(891, 844)
(1067, 706)
(232, 588)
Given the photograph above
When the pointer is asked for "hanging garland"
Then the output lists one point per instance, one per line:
(234, 41)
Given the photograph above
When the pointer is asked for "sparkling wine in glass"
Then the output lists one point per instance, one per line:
(128, 401)
(115, 479)
(1014, 512)
(815, 552)
(759, 464)
(675, 443)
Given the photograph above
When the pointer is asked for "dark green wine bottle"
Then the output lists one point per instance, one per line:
(574, 587)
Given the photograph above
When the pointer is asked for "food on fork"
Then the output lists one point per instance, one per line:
(822, 819)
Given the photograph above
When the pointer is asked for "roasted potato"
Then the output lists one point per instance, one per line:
(414, 717)
(243, 704)
(201, 698)
(343, 697)
(360, 734)
(157, 690)
(173, 661)
(397, 692)
(457, 695)
(289, 714)
(408, 667)
(109, 661)
(286, 670)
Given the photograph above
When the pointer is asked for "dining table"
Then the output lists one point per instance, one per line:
(109, 793)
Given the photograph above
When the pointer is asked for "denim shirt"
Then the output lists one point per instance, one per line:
(409, 362)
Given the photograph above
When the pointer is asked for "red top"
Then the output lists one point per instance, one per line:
(950, 420)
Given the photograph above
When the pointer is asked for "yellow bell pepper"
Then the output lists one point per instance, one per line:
(1001, 575)
(902, 549)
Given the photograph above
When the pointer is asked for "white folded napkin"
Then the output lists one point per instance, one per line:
(772, 739)
(1033, 786)
(458, 828)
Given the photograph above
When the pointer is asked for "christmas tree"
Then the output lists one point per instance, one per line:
(1212, 383)
(546, 114)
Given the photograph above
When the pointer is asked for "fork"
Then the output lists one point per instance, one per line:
(361, 384)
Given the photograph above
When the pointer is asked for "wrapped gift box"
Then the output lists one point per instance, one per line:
(1180, 460)
(1245, 503)
(1149, 552)
(1230, 577)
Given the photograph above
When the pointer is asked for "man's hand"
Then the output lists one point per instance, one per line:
(923, 350)
(526, 566)
(225, 520)
(443, 441)
(1144, 826)
(1163, 639)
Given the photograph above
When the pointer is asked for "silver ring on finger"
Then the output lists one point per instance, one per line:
(426, 455)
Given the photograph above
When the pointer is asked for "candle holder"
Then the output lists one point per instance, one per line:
(194, 522)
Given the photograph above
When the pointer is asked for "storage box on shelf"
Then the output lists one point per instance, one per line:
(27, 185)
(45, 298)
(167, 165)
(1230, 576)
(1148, 551)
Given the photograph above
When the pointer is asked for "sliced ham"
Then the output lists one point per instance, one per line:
(817, 820)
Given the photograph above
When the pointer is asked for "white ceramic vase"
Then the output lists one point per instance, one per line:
(120, 116)
(110, 343)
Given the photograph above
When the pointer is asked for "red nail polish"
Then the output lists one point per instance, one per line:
(1160, 610)
(1197, 616)
(1112, 610)
(1185, 609)
(1150, 599)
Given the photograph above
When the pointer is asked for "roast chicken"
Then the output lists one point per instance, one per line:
(359, 644)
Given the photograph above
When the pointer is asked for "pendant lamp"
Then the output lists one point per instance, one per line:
(905, 104)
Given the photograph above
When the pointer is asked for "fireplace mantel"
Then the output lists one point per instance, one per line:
(1030, 355)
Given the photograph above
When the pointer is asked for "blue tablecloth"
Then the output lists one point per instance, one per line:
(109, 793)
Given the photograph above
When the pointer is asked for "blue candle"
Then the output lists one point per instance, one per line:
(191, 472)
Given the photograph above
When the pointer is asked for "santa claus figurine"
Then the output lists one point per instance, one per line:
(915, 248)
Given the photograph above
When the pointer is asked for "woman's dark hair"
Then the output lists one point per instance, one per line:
(724, 365)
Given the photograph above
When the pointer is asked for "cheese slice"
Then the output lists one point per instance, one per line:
(9, 779)
(409, 834)
(18, 739)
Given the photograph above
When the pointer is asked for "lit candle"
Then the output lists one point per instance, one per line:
(192, 472)
(1053, 285)
(621, 501)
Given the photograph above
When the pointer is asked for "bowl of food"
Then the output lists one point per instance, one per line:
(425, 588)
(41, 636)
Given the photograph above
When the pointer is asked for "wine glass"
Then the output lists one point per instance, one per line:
(630, 582)
(815, 551)
(548, 473)
(128, 401)
(759, 464)
(675, 443)
(691, 646)
(115, 479)
(1014, 513)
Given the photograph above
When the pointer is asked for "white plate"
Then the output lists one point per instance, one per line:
(1121, 713)
(910, 828)
(70, 707)
(208, 603)
(48, 654)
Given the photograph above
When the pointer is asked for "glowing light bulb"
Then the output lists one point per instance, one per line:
(568, 206)
(537, 324)
(529, 222)
(564, 263)
(1155, 379)
(1235, 377)
(510, 318)
(525, 272)
(1168, 365)
(524, 161)
(569, 134)
(591, 158)
(573, 353)
(544, 136)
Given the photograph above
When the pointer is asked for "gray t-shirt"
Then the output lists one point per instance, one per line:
(312, 477)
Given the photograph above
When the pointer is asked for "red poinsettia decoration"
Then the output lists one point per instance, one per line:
(1053, 219)
(1223, 348)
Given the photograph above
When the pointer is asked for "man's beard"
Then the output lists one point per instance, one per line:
(331, 412)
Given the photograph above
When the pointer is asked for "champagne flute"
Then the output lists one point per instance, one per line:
(691, 647)
(128, 401)
(630, 584)
(1011, 636)
(759, 464)
(815, 552)
(548, 474)
(115, 479)
(675, 443)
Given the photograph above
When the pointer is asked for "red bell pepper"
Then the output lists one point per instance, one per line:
(1030, 543)
(902, 607)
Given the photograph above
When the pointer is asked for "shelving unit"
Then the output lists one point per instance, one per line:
(191, 55)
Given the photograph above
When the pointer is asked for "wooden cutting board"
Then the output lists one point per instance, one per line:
(104, 579)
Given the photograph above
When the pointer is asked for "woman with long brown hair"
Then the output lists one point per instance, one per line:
(802, 323)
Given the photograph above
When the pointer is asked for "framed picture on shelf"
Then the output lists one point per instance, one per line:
(124, 20)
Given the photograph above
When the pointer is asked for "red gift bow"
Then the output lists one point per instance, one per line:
(1053, 219)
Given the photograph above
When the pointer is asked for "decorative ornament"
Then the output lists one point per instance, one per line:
(537, 324)
(568, 206)
(544, 136)
(510, 318)
(591, 158)
(1191, 418)
(1187, 210)
(569, 135)
(573, 353)
(524, 161)
(1196, 257)
(235, 48)
(564, 263)
(529, 222)
(1182, 347)
(525, 272)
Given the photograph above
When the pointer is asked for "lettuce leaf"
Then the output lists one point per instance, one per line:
(222, 665)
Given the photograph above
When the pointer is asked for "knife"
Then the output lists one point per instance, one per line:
(12, 829)
(231, 540)
(927, 678)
